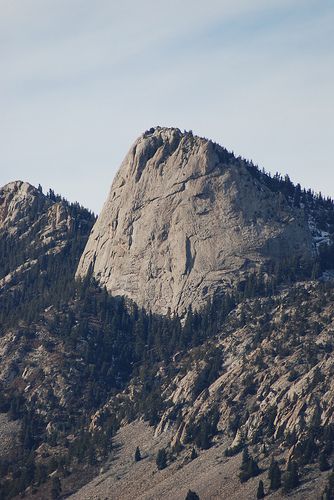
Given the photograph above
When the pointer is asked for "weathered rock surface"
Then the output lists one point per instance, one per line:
(18, 202)
(36, 225)
(25, 210)
(184, 218)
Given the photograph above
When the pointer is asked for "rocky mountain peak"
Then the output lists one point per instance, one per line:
(33, 227)
(184, 219)
(158, 144)
(17, 200)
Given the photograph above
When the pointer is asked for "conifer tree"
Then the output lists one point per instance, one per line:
(249, 467)
(191, 495)
(55, 488)
(274, 475)
(291, 479)
(323, 462)
(243, 476)
(161, 459)
(204, 435)
(260, 490)
(137, 455)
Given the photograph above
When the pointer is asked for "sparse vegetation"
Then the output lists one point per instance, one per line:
(137, 455)
(260, 490)
(249, 467)
(291, 476)
(191, 495)
(161, 459)
(274, 475)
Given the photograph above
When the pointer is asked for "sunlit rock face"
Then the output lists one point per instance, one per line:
(185, 218)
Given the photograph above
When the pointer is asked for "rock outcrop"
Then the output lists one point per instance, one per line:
(185, 218)
(33, 227)
(19, 202)
(25, 211)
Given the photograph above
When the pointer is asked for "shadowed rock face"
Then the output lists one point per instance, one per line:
(185, 218)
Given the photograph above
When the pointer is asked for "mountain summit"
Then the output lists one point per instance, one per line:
(186, 218)
(18, 200)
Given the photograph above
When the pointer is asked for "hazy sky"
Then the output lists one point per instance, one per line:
(80, 80)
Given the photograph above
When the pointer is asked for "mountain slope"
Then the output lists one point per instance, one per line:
(185, 219)
(265, 381)
(244, 377)
(41, 240)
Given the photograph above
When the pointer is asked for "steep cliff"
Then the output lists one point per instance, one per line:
(185, 218)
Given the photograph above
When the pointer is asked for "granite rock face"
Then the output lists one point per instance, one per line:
(18, 201)
(185, 218)
(24, 209)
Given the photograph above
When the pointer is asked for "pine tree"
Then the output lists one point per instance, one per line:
(274, 475)
(14, 410)
(260, 490)
(191, 495)
(203, 437)
(161, 459)
(309, 451)
(291, 479)
(243, 476)
(55, 488)
(249, 467)
(193, 454)
(91, 455)
(253, 468)
(137, 454)
(323, 462)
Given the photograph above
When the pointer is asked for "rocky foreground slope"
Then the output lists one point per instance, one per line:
(185, 218)
(211, 475)
(265, 380)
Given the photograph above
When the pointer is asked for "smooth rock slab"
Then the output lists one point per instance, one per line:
(185, 218)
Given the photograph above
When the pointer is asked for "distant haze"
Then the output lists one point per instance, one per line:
(80, 80)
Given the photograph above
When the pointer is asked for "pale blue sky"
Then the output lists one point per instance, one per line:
(80, 80)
